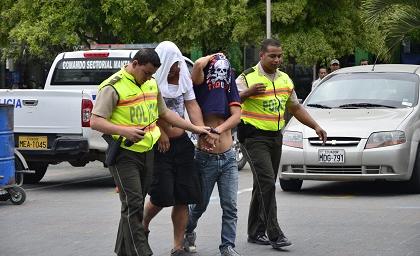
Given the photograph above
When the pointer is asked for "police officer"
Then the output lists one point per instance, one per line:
(265, 93)
(128, 105)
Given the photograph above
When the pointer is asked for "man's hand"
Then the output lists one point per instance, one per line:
(201, 130)
(321, 133)
(163, 143)
(205, 144)
(257, 89)
(212, 139)
(133, 134)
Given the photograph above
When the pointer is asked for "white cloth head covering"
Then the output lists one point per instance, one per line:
(169, 54)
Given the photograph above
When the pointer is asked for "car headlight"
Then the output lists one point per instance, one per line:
(384, 139)
(293, 139)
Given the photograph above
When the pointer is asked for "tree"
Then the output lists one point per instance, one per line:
(396, 19)
(312, 31)
(45, 28)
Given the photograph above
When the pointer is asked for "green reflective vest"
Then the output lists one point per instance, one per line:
(266, 111)
(137, 106)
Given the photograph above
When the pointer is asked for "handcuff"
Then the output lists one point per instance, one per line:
(212, 130)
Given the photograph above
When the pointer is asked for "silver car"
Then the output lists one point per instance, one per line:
(372, 117)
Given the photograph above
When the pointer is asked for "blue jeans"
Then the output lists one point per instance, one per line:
(223, 169)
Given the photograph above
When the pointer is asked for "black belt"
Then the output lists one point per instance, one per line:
(267, 133)
(254, 131)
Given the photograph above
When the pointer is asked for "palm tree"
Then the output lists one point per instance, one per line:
(396, 18)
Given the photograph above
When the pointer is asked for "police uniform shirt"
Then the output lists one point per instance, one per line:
(242, 85)
(107, 100)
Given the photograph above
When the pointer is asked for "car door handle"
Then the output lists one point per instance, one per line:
(30, 102)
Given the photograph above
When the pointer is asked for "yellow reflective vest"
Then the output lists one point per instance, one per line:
(266, 111)
(137, 106)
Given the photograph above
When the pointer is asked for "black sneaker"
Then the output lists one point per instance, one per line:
(179, 252)
(259, 239)
(280, 242)
(189, 242)
(229, 251)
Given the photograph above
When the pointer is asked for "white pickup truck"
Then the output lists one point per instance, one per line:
(53, 125)
(48, 127)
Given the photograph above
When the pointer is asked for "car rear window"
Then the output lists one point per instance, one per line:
(86, 71)
(375, 90)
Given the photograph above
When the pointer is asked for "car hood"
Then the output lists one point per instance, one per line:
(351, 122)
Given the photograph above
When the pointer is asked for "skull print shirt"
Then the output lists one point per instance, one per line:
(218, 91)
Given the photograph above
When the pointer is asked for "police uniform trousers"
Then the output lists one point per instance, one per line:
(264, 152)
(132, 174)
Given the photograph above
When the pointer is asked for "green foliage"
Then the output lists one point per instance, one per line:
(396, 19)
(310, 31)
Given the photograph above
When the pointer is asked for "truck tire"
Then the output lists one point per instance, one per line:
(291, 185)
(78, 163)
(40, 170)
(18, 167)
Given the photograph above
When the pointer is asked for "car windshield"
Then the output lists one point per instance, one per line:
(366, 90)
(86, 71)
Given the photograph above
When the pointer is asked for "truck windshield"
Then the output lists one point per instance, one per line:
(86, 71)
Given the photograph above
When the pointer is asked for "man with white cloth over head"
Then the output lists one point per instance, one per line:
(175, 180)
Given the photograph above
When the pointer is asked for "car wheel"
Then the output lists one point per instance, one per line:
(414, 182)
(291, 185)
(40, 170)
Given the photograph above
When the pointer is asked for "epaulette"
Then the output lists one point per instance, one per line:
(245, 73)
(114, 80)
(248, 71)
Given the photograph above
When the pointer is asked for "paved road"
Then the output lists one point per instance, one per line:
(74, 211)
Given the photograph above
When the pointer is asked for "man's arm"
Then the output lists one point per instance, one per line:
(298, 111)
(174, 119)
(197, 74)
(194, 112)
(232, 121)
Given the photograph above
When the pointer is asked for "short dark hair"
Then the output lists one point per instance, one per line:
(147, 55)
(363, 60)
(269, 42)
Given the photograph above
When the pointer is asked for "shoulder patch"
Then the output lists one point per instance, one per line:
(114, 80)
(248, 71)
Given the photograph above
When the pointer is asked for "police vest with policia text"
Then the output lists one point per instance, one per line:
(137, 106)
(266, 111)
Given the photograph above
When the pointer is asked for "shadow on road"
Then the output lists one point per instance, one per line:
(93, 183)
(374, 188)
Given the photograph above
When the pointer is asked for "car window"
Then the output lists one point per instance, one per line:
(394, 90)
(86, 71)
